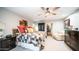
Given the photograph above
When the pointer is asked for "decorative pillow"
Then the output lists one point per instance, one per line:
(30, 30)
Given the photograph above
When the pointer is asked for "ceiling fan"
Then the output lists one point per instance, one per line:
(49, 10)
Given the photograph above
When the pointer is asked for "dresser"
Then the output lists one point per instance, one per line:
(7, 44)
(72, 39)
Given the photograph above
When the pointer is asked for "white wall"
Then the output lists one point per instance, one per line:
(58, 26)
(74, 20)
(10, 19)
(35, 25)
(2, 25)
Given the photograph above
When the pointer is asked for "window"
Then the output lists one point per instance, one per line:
(41, 26)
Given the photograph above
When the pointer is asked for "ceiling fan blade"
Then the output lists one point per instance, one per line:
(53, 13)
(56, 8)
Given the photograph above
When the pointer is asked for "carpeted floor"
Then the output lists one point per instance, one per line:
(54, 45)
(19, 48)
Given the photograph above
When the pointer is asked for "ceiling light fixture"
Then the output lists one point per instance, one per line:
(49, 11)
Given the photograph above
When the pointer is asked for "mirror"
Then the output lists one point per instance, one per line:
(67, 24)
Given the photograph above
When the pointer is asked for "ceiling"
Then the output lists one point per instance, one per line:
(32, 13)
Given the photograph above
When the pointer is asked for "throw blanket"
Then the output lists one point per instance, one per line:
(30, 38)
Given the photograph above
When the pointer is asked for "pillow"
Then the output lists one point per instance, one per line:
(30, 30)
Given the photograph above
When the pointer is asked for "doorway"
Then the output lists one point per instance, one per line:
(49, 29)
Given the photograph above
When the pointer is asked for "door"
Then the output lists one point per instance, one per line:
(49, 29)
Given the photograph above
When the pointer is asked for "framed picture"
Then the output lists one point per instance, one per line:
(66, 23)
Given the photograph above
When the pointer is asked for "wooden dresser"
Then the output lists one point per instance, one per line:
(72, 39)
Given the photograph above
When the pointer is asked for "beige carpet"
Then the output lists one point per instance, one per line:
(54, 45)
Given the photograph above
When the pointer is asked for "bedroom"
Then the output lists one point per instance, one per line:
(47, 22)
